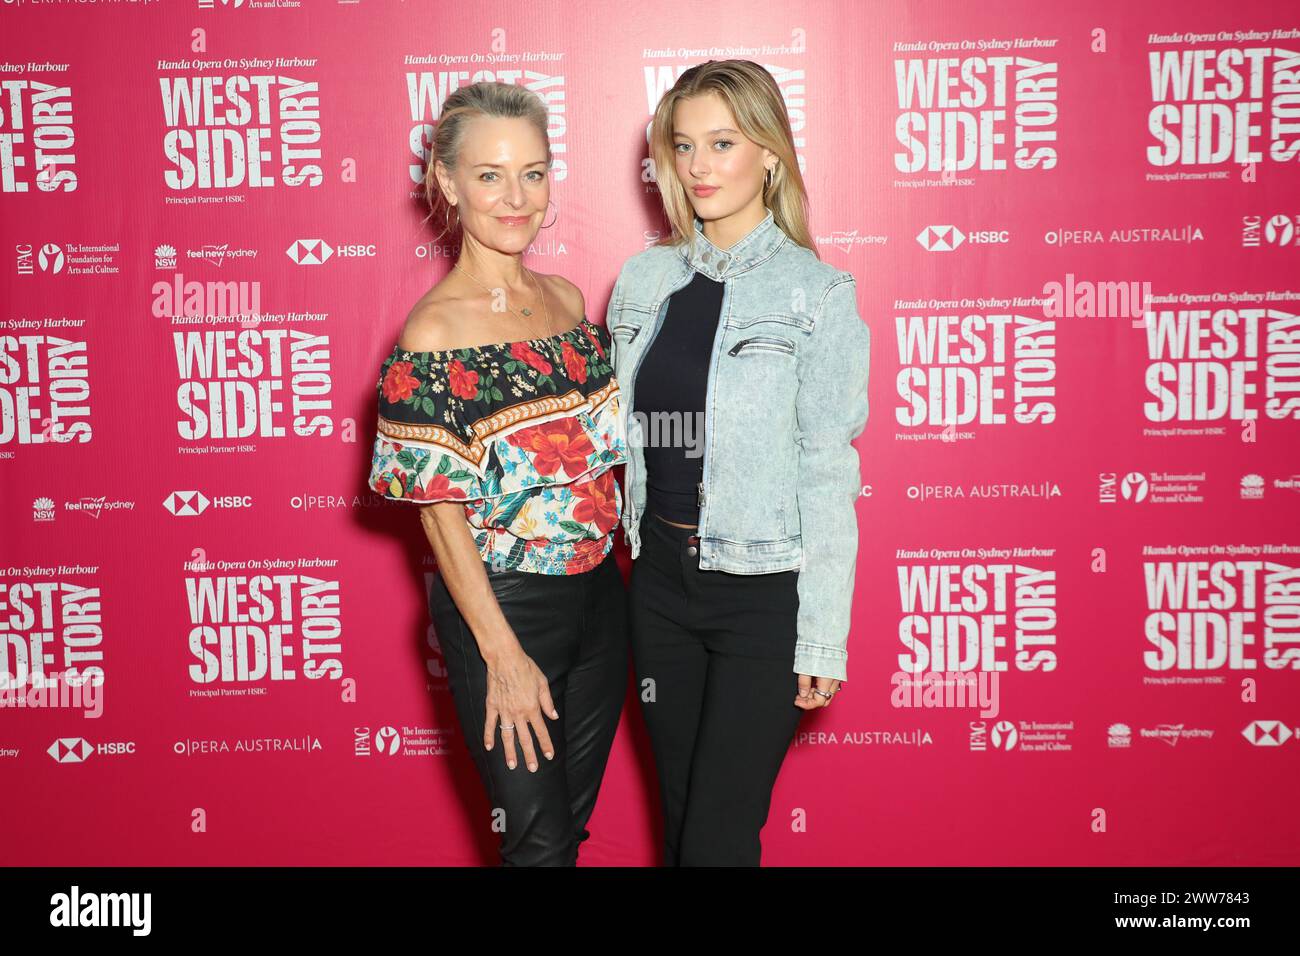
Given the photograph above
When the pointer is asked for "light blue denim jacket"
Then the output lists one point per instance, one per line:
(786, 396)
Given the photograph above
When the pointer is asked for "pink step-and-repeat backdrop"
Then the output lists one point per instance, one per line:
(1075, 230)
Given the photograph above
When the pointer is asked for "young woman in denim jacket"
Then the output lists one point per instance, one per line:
(742, 363)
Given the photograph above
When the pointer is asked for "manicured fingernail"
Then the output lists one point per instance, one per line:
(549, 755)
(532, 767)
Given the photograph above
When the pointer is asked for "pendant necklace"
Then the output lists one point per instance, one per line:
(526, 312)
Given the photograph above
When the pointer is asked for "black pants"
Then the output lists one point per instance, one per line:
(714, 659)
(575, 628)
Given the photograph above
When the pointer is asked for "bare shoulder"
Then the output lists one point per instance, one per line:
(432, 325)
(568, 295)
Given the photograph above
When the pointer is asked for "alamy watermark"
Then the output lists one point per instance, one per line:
(72, 691)
(669, 430)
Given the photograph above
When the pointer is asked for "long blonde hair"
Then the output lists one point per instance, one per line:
(755, 101)
(486, 98)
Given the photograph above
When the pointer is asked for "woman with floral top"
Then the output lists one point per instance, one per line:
(507, 442)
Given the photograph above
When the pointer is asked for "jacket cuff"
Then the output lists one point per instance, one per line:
(820, 660)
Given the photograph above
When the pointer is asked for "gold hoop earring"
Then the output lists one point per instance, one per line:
(446, 217)
(767, 179)
(551, 202)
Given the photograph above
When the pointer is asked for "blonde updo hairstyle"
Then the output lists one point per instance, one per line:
(501, 100)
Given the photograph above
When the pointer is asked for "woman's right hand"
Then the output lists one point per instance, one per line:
(517, 690)
(518, 693)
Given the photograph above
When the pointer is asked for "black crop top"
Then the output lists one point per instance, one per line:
(670, 391)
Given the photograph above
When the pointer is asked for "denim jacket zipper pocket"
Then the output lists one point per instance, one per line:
(762, 342)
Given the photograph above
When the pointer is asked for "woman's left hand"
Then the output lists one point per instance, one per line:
(813, 695)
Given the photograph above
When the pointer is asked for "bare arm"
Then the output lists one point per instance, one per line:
(518, 691)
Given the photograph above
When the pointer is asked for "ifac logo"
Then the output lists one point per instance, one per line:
(1004, 736)
(1134, 486)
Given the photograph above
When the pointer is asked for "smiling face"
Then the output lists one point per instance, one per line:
(500, 185)
(710, 151)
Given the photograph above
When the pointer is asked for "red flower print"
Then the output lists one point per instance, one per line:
(554, 445)
(587, 553)
(440, 487)
(464, 383)
(574, 364)
(399, 383)
(595, 501)
(595, 339)
(526, 353)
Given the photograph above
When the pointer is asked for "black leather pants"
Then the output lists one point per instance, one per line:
(718, 649)
(575, 628)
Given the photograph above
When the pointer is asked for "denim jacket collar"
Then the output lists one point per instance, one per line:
(719, 264)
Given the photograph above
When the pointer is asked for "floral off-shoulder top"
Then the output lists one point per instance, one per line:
(525, 433)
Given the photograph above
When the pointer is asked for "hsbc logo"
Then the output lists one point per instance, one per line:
(940, 238)
(70, 750)
(1267, 733)
(310, 252)
(184, 504)
(315, 252)
(79, 749)
(948, 238)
